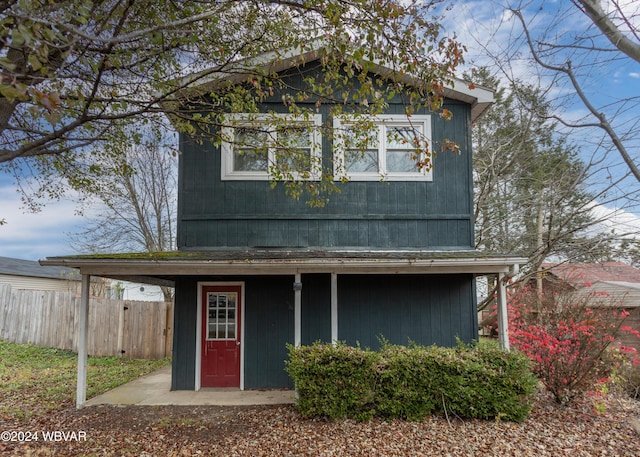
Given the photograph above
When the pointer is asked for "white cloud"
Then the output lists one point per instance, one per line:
(634, 74)
(624, 223)
(33, 236)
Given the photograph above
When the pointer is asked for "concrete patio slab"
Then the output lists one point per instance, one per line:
(154, 389)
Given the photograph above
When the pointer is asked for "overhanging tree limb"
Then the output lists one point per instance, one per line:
(603, 122)
(593, 9)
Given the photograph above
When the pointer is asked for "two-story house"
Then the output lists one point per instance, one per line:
(390, 256)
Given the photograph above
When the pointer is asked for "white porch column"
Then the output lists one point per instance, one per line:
(83, 337)
(334, 308)
(503, 321)
(297, 310)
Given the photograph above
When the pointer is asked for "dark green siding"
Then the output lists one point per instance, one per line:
(184, 334)
(268, 323)
(430, 309)
(268, 328)
(316, 308)
(244, 214)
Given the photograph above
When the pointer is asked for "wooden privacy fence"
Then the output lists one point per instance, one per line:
(134, 329)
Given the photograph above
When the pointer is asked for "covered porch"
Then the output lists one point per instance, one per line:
(166, 268)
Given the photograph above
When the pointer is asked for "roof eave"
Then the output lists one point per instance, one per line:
(164, 267)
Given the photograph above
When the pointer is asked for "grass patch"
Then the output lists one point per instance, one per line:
(36, 380)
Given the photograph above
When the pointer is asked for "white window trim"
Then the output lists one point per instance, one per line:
(247, 119)
(392, 120)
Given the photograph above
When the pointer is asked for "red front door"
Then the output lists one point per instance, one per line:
(220, 336)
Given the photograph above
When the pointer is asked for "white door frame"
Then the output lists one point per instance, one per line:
(200, 285)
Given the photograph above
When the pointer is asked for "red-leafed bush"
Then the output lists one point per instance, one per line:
(568, 338)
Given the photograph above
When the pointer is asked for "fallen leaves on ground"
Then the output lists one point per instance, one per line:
(550, 430)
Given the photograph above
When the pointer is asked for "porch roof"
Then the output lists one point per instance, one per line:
(163, 267)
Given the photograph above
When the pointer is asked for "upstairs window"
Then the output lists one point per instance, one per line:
(384, 147)
(271, 146)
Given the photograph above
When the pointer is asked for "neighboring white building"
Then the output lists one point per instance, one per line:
(30, 275)
(126, 290)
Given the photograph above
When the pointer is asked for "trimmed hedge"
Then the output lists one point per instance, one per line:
(411, 382)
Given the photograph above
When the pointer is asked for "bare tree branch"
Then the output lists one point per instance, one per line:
(603, 123)
(593, 9)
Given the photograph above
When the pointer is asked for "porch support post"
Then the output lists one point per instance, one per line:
(334, 308)
(81, 388)
(297, 310)
(503, 322)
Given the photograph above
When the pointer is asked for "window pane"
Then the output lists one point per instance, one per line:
(361, 151)
(250, 151)
(297, 160)
(402, 149)
(293, 149)
(221, 316)
(401, 161)
(356, 161)
(402, 138)
(294, 137)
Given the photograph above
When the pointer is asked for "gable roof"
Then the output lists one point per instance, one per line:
(583, 274)
(480, 98)
(30, 268)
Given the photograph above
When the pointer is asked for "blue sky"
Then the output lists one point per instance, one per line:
(33, 236)
(484, 27)
(495, 38)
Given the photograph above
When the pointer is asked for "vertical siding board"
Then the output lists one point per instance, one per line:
(413, 238)
(313, 233)
(427, 310)
(268, 329)
(362, 238)
(184, 335)
(232, 234)
(436, 317)
(447, 308)
(323, 239)
(373, 232)
(303, 233)
(316, 308)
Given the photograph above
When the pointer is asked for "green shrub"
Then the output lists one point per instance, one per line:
(333, 381)
(404, 386)
(411, 382)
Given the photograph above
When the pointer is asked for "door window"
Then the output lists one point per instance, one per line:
(221, 315)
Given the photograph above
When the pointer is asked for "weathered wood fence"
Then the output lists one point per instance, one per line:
(134, 329)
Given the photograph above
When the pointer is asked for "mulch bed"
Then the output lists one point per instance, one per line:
(550, 430)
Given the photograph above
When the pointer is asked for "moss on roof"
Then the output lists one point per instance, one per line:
(255, 254)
